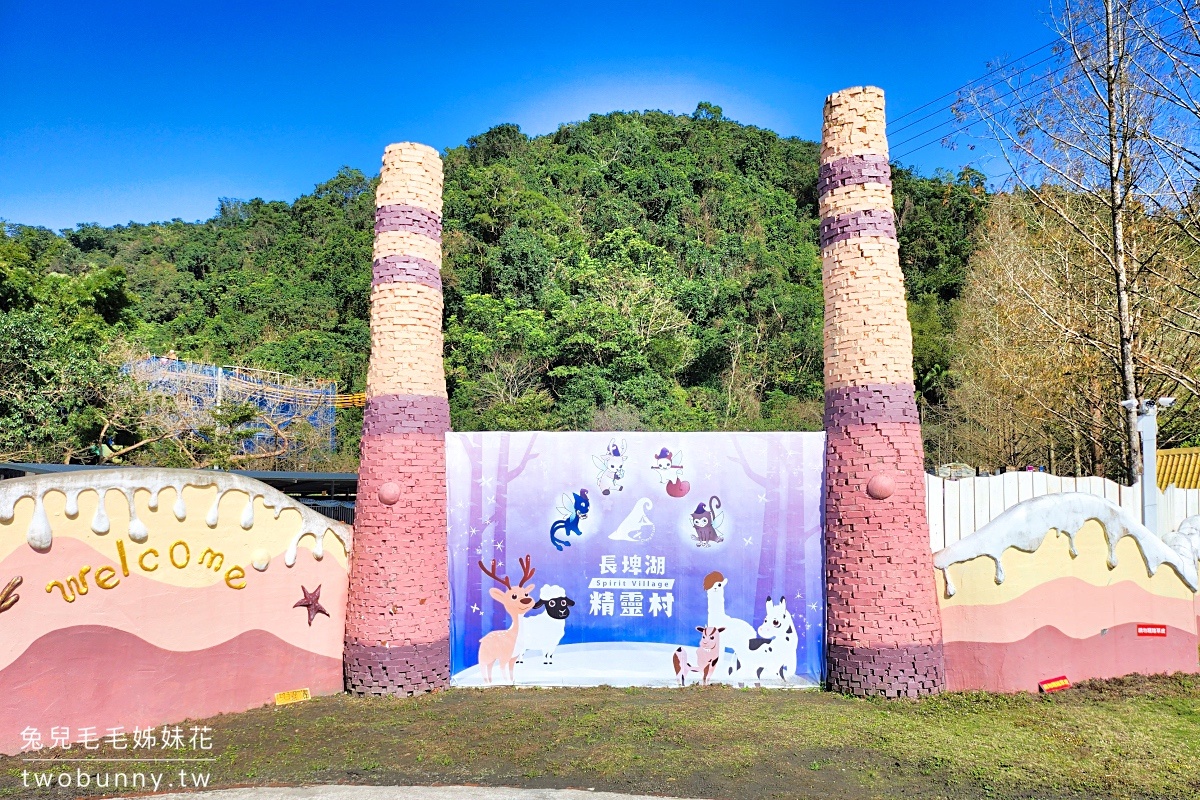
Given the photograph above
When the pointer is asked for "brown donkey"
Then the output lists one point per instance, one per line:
(499, 645)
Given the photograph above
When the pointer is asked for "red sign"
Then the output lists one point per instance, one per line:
(1151, 630)
(1054, 684)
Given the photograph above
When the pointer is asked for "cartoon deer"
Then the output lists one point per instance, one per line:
(501, 645)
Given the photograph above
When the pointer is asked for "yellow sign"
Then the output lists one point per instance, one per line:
(1054, 684)
(294, 696)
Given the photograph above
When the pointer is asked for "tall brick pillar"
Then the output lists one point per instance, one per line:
(884, 632)
(398, 615)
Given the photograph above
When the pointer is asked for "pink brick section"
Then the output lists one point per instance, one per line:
(884, 632)
(398, 614)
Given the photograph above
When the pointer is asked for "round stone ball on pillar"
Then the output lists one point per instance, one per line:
(398, 610)
(884, 633)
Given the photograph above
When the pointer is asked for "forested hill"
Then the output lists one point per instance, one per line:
(632, 270)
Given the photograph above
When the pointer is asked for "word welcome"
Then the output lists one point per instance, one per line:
(178, 555)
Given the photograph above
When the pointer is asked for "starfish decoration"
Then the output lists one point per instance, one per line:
(311, 602)
(9, 596)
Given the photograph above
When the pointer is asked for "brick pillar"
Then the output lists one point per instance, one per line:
(398, 614)
(884, 632)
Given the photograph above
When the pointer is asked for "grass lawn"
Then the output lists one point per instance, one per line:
(1129, 738)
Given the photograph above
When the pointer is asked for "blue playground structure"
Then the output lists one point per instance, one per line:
(283, 399)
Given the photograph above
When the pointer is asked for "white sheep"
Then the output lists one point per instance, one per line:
(544, 631)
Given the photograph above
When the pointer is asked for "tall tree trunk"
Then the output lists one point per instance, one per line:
(1077, 453)
(1117, 146)
(1097, 432)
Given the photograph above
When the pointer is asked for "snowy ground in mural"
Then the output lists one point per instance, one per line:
(616, 549)
(614, 664)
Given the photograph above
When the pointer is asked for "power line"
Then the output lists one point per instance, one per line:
(970, 125)
(967, 85)
(954, 92)
(962, 128)
(959, 90)
(990, 101)
(998, 98)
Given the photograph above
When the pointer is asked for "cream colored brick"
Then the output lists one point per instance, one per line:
(392, 243)
(867, 334)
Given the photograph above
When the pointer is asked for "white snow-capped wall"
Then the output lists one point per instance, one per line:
(1026, 525)
(128, 481)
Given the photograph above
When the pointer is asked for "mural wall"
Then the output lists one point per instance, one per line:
(1066, 584)
(137, 597)
(636, 558)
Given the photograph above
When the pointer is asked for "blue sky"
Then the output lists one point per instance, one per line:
(150, 111)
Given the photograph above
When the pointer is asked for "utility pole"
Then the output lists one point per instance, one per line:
(1147, 426)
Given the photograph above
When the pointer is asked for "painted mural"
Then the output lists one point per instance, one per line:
(138, 597)
(636, 559)
(1067, 585)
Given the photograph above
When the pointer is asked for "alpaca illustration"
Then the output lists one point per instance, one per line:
(740, 636)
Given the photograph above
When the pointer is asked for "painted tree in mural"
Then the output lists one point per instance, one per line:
(803, 547)
(783, 541)
(474, 448)
(499, 520)
(768, 481)
(493, 492)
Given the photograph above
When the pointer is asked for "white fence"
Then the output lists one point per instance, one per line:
(957, 508)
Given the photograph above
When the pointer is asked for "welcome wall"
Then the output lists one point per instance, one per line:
(138, 597)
